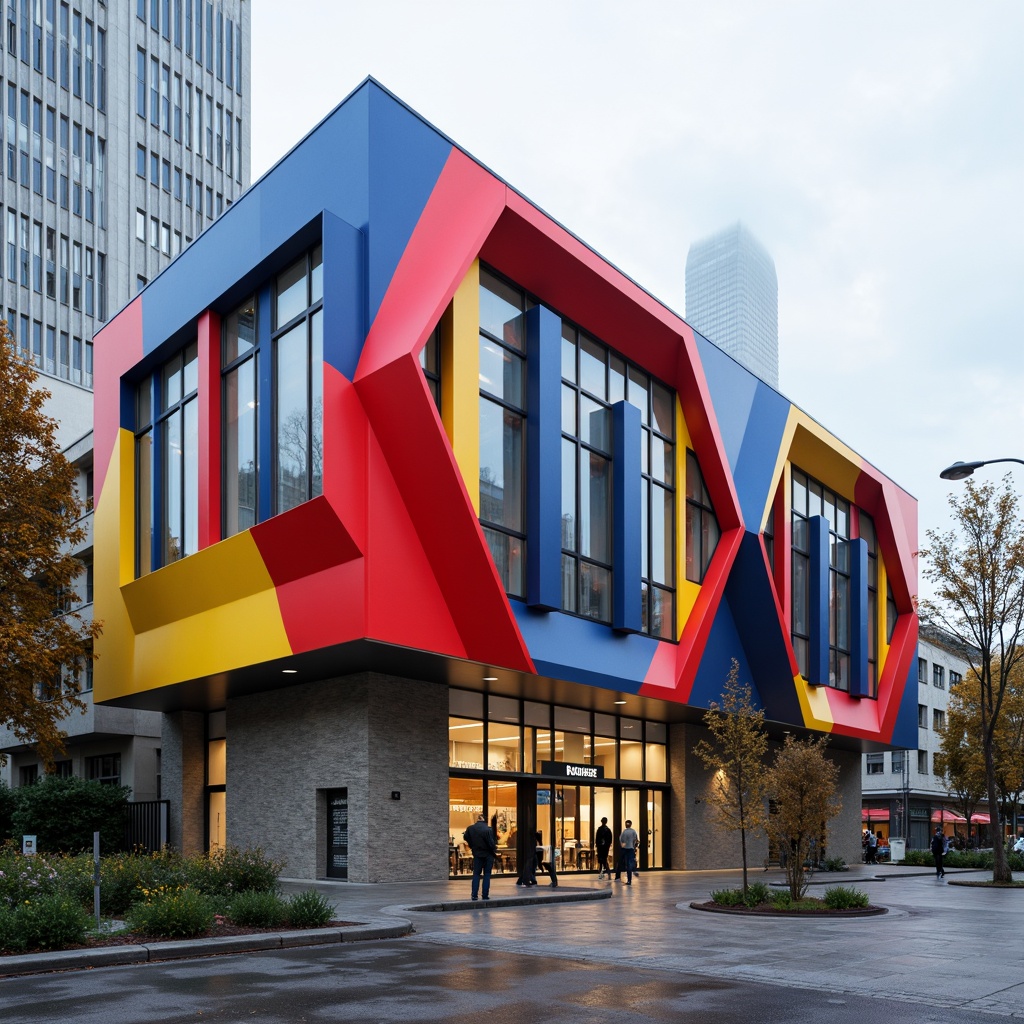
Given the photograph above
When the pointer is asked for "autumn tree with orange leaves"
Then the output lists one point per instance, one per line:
(44, 641)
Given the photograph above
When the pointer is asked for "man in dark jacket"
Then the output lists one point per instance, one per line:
(484, 847)
(603, 842)
(938, 849)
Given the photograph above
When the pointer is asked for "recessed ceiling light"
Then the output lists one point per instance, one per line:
(289, 671)
(620, 702)
(490, 679)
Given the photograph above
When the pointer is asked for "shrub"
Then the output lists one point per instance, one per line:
(781, 900)
(841, 897)
(310, 909)
(757, 893)
(727, 897)
(228, 871)
(835, 864)
(51, 921)
(258, 909)
(173, 913)
(7, 802)
(24, 878)
(63, 813)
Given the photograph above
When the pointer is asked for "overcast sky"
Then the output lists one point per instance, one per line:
(876, 150)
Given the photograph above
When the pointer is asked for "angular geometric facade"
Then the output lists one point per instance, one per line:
(380, 301)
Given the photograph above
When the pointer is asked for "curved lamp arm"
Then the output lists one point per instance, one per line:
(962, 470)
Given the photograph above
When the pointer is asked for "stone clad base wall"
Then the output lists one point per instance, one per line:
(697, 844)
(183, 779)
(369, 733)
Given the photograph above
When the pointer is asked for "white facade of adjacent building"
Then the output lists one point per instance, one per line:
(901, 790)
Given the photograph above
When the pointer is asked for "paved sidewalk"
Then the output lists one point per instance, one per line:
(939, 944)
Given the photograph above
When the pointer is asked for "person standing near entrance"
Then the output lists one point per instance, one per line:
(938, 849)
(484, 847)
(628, 843)
(603, 842)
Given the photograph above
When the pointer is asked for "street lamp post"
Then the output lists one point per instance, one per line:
(962, 470)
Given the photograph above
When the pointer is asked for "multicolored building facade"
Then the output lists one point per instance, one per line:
(409, 505)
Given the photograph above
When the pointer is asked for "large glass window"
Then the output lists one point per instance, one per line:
(239, 359)
(702, 531)
(167, 451)
(298, 377)
(810, 499)
(502, 427)
(594, 378)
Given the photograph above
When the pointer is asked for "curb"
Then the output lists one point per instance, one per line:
(578, 896)
(117, 956)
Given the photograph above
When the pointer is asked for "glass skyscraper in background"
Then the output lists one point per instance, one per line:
(732, 298)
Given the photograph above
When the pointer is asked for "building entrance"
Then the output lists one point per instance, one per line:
(566, 816)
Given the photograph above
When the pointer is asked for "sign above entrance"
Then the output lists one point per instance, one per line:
(564, 770)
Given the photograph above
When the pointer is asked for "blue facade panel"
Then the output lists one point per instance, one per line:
(627, 557)
(569, 647)
(543, 444)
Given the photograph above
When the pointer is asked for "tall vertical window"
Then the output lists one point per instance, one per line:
(702, 530)
(76, 53)
(430, 362)
(167, 448)
(140, 83)
(586, 476)
(298, 378)
(143, 474)
(239, 361)
(658, 501)
(867, 533)
(811, 499)
(502, 427)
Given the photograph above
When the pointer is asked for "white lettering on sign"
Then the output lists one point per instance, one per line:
(590, 773)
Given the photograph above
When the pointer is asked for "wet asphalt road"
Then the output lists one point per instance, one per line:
(415, 980)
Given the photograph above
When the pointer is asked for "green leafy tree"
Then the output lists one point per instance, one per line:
(959, 760)
(802, 785)
(737, 757)
(63, 814)
(977, 568)
(43, 640)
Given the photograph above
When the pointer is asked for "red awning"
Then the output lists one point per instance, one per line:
(979, 819)
(945, 815)
(874, 814)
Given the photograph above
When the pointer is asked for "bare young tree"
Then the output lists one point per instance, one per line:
(977, 568)
(736, 756)
(802, 785)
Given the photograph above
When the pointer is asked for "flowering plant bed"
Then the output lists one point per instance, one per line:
(807, 907)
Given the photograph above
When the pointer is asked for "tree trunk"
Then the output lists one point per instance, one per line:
(1000, 868)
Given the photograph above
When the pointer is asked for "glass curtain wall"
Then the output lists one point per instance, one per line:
(495, 743)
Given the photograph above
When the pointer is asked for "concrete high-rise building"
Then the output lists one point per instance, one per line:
(732, 298)
(126, 132)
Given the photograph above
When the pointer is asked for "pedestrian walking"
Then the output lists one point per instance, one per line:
(872, 848)
(628, 843)
(484, 848)
(546, 863)
(938, 849)
(603, 842)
